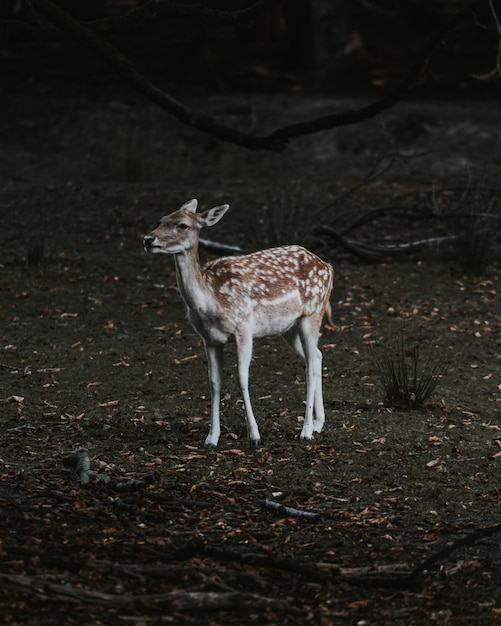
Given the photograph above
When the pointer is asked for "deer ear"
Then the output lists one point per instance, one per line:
(191, 205)
(212, 216)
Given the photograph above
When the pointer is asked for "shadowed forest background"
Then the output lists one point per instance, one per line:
(368, 132)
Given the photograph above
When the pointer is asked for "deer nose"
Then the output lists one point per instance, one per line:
(148, 241)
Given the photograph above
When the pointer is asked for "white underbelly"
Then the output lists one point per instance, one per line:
(260, 318)
(276, 316)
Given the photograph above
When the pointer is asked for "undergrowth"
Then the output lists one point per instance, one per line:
(408, 381)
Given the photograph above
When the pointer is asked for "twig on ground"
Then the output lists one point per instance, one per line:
(288, 510)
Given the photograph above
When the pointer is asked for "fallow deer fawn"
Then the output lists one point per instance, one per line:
(281, 291)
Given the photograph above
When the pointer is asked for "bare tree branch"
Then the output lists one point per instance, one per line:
(144, 14)
(129, 73)
(413, 76)
(278, 139)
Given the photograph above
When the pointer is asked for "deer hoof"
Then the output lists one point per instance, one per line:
(306, 435)
(210, 443)
(317, 426)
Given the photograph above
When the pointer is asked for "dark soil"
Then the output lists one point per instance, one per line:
(96, 353)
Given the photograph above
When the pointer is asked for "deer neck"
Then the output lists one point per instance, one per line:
(190, 280)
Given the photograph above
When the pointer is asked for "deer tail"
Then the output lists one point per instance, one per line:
(328, 317)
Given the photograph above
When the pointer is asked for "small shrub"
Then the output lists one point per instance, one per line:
(407, 382)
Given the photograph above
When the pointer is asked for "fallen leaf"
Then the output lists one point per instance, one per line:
(110, 403)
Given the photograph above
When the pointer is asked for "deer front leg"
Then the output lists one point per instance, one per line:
(307, 431)
(215, 363)
(244, 350)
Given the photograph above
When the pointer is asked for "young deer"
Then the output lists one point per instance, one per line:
(281, 291)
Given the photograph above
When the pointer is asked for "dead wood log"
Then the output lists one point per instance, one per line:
(278, 139)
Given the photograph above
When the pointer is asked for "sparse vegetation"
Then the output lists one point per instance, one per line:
(407, 380)
(97, 354)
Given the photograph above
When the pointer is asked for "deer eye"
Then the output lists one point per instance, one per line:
(182, 226)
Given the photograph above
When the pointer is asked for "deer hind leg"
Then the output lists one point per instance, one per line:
(293, 339)
(319, 419)
(215, 362)
(244, 351)
(308, 334)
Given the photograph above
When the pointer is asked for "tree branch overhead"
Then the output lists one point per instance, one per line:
(274, 141)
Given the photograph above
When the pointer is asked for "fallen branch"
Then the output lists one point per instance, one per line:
(288, 510)
(374, 252)
(177, 600)
(409, 214)
(214, 246)
(276, 140)
(399, 575)
(198, 549)
(81, 462)
(385, 576)
(468, 540)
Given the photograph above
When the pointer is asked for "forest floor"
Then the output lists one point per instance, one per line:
(97, 355)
